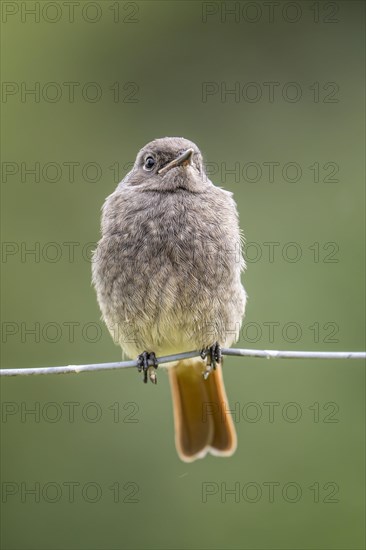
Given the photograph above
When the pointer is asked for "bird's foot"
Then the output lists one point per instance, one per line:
(148, 370)
(214, 355)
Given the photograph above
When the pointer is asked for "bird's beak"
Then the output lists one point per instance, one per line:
(183, 160)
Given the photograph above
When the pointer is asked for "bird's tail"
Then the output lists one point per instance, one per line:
(202, 419)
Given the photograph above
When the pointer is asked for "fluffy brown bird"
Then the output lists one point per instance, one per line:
(167, 276)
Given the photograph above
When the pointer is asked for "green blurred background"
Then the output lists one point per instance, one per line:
(161, 54)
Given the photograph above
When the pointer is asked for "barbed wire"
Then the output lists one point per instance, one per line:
(266, 354)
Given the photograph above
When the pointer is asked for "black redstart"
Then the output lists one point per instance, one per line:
(167, 276)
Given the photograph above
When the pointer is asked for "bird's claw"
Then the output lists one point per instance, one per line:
(148, 370)
(214, 355)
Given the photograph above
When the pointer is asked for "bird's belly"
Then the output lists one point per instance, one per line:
(169, 294)
(173, 315)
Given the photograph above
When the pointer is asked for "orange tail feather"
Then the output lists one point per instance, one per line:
(201, 418)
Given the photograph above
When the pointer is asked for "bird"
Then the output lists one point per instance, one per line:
(167, 274)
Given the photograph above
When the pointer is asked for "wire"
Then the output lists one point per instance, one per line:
(267, 354)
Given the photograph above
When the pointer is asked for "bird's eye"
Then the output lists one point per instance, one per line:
(149, 163)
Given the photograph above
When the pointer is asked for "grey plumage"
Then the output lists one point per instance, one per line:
(167, 268)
